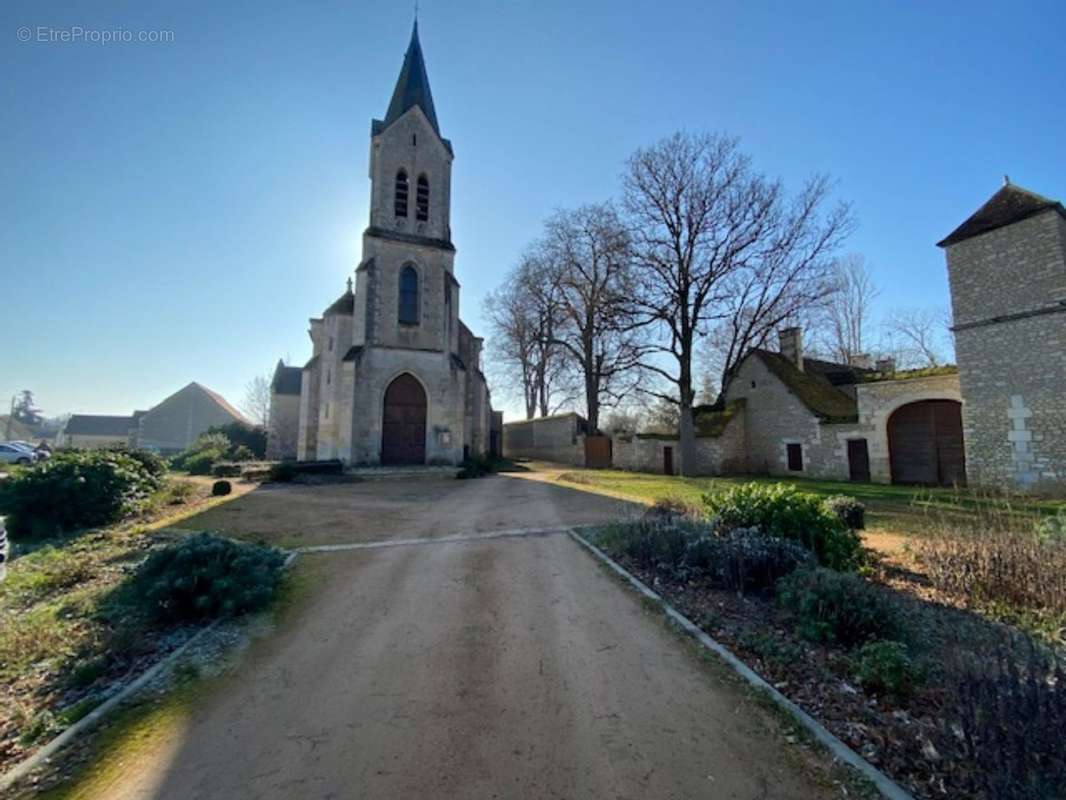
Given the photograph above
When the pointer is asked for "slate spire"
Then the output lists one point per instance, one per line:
(412, 87)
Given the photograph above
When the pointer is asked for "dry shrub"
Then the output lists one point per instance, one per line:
(674, 506)
(1007, 715)
(997, 557)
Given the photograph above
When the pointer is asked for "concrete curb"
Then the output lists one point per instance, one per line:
(885, 785)
(94, 717)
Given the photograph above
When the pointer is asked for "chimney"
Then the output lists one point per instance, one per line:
(886, 364)
(790, 345)
(862, 361)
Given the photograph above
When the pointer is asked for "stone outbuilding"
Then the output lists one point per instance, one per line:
(168, 427)
(283, 427)
(1007, 272)
(91, 431)
(785, 414)
(394, 375)
(175, 423)
(818, 419)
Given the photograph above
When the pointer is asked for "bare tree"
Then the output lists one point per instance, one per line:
(522, 315)
(917, 335)
(843, 328)
(257, 399)
(588, 274)
(718, 246)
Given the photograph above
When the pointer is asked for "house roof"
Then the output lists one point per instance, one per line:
(710, 421)
(836, 374)
(812, 388)
(286, 380)
(1009, 205)
(412, 87)
(98, 425)
(223, 403)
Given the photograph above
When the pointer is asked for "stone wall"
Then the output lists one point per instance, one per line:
(284, 427)
(558, 438)
(715, 455)
(1008, 288)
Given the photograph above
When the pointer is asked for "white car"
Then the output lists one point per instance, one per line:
(13, 454)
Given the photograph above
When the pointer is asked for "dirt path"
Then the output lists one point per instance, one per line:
(510, 668)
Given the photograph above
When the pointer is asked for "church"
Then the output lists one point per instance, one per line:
(394, 376)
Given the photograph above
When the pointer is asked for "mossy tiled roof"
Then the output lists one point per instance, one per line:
(812, 388)
(908, 374)
(710, 421)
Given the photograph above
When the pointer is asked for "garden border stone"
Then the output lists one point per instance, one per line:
(884, 785)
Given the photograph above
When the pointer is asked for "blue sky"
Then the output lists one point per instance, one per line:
(176, 211)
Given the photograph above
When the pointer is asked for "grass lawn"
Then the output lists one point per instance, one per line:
(66, 634)
(905, 510)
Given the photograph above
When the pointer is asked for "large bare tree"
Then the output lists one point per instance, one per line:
(843, 329)
(522, 314)
(257, 399)
(719, 247)
(917, 336)
(590, 279)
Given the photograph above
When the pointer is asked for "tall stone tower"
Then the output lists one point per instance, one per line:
(395, 376)
(1007, 273)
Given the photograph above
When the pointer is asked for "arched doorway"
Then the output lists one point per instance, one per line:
(403, 434)
(925, 443)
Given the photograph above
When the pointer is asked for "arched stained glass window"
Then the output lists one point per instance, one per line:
(409, 296)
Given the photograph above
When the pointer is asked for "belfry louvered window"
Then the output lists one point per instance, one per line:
(400, 201)
(422, 199)
(408, 296)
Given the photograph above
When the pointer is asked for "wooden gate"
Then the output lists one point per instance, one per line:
(598, 452)
(925, 443)
(403, 429)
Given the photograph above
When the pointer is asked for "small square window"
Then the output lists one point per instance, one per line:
(795, 457)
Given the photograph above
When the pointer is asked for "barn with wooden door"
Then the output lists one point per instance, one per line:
(925, 443)
(865, 421)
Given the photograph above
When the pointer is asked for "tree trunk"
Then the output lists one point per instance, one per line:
(687, 442)
(686, 425)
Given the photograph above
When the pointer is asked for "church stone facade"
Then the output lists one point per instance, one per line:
(395, 376)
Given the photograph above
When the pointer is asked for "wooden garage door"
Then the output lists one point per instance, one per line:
(403, 435)
(925, 443)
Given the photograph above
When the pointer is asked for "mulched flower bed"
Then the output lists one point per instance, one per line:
(915, 741)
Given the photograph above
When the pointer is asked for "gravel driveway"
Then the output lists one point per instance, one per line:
(504, 668)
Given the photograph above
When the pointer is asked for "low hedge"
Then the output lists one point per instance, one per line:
(786, 512)
(686, 549)
(76, 489)
(840, 607)
(204, 577)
